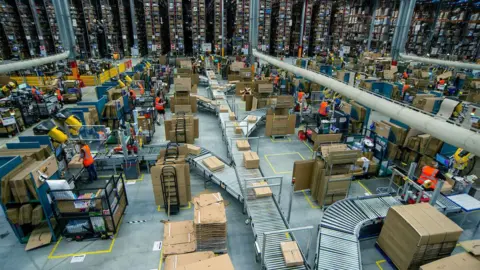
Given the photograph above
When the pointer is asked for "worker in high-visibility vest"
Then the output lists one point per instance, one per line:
(300, 97)
(159, 106)
(323, 110)
(429, 176)
(133, 98)
(36, 94)
(88, 161)
(405, 75)
(58, 93)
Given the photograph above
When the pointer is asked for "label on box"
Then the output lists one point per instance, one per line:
(80, 204)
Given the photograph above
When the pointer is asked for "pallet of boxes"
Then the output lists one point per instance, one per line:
(417, 234)
(191, 244)
(112, 113)
(182, 128)
(279, 121)
(186, 72)
(182, 101)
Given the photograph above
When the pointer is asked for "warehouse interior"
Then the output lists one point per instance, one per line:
(260, 134)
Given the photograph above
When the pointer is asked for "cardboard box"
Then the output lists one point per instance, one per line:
(210, 222)
(251, 160)
(222, 262)
(25, 214)
(213, 164)
(231, 116)
(182, 84)
(458, 261)
(13, 215)
(291, 254)
(41, 236)
(178, 237)
(37, 215)
(252, 119)
(473, 247)
(183, 108)
(319, 139)
(174, 262)
(183, 182)
(265, 88)
(424, 231)
(193, 149)
(223, 109)
(261, 192)
(75, 162)
(433, 147)
(237, 128)
(243, 145)
(397, 133)
(279, 124)
(382, 129)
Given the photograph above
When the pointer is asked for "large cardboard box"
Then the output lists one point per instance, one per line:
(210, 222)
(262, 190)
(75, 162)
(193, 149)
(426, 235)
(25, 214)
(251, 160)
(37, 215)
(397, 133)
(243, 145)
(291, 253)
(265, 88)
(319, 139)
(178, 237)
(456, 262)
(433, 147)
(279, 124)
(183, 182)
(13, 215)
(174, 262)
(382, 129)
(182, 84)
(221, 262)
(213, 164)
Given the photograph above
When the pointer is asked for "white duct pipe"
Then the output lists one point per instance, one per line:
(447, 132)
(433, 61)
(5, 68)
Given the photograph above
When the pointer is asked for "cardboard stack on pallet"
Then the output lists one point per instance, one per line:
(426, 235)
(210, 222)
(182, 177)
(279, 121)
(261, 93)
(176, 131)
(182, 101)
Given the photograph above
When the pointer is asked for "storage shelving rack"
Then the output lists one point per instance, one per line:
(53, 26)
(320, 37)
(92, 26)
(283, 28)
(101, 215)
(219, 25)
(80, 29)
(121, 14)
(153, 26)
(198, 25)
(29, 30)
(340, 20)
(13, 37)
(110, 31)
(296, 24)
(242, 26)
(140, 27)
(264, 25)
(358, 25)
(421, 28)
(175, 18)
(471, 38)
(384, 25)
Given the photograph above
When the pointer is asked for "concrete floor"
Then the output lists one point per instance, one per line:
(141, 226)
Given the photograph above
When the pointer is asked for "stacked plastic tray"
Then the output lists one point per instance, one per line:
(198, 25)
(321, 22)
(175, 17)
(242, 25)
(264, 25)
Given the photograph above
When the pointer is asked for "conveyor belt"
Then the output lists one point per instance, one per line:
(338, 244)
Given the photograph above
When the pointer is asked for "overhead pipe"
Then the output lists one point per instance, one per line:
(433, 61)
(13, 66)
(439, 128)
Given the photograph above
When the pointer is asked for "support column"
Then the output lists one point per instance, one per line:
(407, 21)
(253, 31)
(222, 9)
(65, 26)
(396, 34)
(372, 25)
(302, 28)
(134, 25)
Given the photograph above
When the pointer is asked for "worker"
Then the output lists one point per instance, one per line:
(323, 110)
(159, 106)
(36, 94)
(441, 82)
(429, 176)
(88, 161)
(58, 93)
(276, 80)
(300, 97)
(133, 98)
(405, 75)
(142, 90)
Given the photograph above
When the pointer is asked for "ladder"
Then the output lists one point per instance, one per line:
(171, 152)
(168, 179)
(181, 128)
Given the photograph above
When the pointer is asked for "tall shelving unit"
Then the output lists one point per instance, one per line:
(175, 17)
(111, 33)
(28, 25)
(121, 22)
(297, 8)
(90, 16)
(283, 28)
(242, 26)
(384, 25)
(421, 28)
(153, 26)
(51, 18)
(198, 25)
(80, 29)
(358, 23)
(320, 37)
(264, 25)
(219, 24)
(340, 20)
(12, 33)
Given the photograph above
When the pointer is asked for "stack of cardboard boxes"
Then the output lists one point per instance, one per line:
(182, 100)
(278, 121)
(210, 222)
(111, 113)
(416, 234)
(176, 131)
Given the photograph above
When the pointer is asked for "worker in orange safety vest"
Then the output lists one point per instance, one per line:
(429, 176)
(159, 106)
(88, 161)
(323, 110)
(58, 93)
(133, 98)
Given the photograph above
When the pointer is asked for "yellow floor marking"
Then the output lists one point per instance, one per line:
(159, 208)
(364, 187)
(378, 264)
(280, 141)
(160, 264)
(312, 205)
(51, 256)
(281, 154)
(306, 144)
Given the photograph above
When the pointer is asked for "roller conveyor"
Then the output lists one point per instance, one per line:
(338, 244)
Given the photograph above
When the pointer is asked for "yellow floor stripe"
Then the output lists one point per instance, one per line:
(378, 264)
(51, 256)
(364, 187)
(160, 264)
(281, 154)
(159, 208)
(306, 144)
(312, 205)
